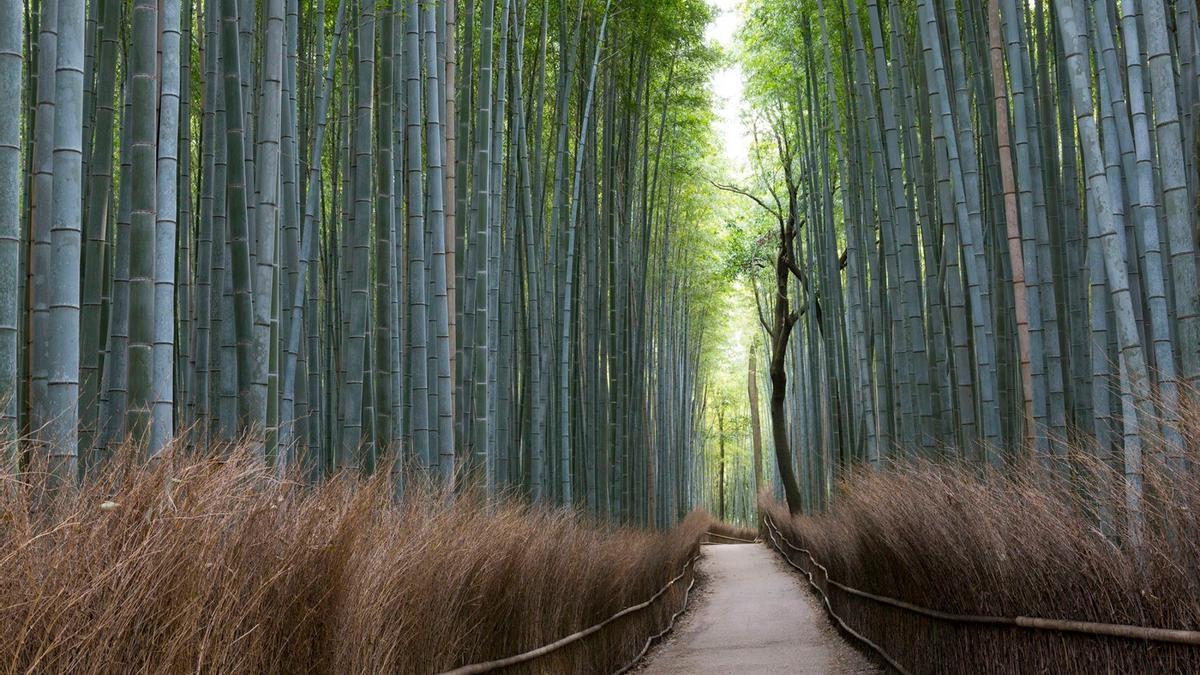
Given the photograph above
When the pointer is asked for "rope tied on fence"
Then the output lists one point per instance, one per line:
(771, 529)
(670, 624)
(1168, 635)
(722, 536)
(532, 654)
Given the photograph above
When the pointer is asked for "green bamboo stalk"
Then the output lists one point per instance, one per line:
(418, 285)
(1133, 363)
(268, 129)
(41, 200)
(353, 440)
(143, 137)
(12, 29)
(96, 226)
(251, 378)
(66, 241)
(441, 226)
(1181, 233)
(167, 205)
(565, 457)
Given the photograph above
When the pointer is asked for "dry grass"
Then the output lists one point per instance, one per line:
(957, 541)
(216, 566)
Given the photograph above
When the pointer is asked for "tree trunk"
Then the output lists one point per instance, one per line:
(784, 321)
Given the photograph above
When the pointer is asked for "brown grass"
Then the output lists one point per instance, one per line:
(216, 566)
(953, 540)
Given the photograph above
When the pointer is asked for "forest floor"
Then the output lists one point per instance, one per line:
(753, 616)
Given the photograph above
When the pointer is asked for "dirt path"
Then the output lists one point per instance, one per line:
(754, 617)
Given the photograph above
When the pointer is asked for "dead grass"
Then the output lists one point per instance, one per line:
(950, 539)
(216, 566)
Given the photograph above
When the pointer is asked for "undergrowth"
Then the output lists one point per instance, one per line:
(218, 566)
(1011, 543)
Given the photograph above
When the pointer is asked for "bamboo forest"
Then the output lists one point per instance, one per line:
(581, 336)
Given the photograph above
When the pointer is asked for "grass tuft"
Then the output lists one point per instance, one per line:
(1010, 544)
(210, 565)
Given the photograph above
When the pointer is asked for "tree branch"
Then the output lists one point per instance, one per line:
(739, 191)
(795, 269)
(758, 305)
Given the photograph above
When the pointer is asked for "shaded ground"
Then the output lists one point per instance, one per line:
(754, 617)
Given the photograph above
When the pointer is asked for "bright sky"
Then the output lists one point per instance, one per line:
(726, 85)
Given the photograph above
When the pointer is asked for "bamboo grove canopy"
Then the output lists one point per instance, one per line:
(995, 207)
(458, 240)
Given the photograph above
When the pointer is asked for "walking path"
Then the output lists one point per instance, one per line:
(754, 617)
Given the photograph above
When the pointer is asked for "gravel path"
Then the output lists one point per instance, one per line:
(753, 616)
